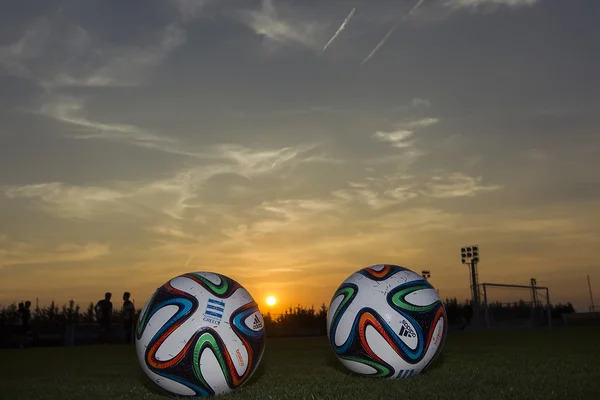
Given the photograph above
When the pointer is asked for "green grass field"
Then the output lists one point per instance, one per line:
(562, 363)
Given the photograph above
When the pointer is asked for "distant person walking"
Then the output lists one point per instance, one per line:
(104, 311)
(18, 324)
(128, 317)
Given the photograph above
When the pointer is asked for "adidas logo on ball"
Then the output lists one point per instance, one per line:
(406, 330)
(257, 324)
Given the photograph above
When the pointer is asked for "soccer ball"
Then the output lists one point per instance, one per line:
(386, 321)
(200, 334)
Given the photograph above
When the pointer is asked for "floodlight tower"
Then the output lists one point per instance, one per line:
(426, 274)
(534, 291)
(470, 256)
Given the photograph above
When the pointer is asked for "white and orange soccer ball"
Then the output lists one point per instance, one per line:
(386, 321)
(200, 334)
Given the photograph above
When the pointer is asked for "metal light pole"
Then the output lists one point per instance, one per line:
(470, 256)
(534, 292)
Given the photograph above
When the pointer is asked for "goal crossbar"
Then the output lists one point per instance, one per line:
(514, 286)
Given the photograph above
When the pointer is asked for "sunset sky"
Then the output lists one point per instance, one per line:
(143, 139)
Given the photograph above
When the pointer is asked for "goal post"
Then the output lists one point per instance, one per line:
(516, 306)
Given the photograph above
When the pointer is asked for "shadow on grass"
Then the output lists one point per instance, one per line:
(437, 363)
(260, 371)
(153, 387)
(333, 363)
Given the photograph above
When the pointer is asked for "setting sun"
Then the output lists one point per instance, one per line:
(271, 301)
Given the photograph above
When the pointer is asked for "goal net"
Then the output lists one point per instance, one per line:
(515, 306)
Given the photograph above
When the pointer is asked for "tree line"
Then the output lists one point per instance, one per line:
(49, 323)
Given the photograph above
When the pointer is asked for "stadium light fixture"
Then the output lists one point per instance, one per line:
(425, 274)
(469, 255)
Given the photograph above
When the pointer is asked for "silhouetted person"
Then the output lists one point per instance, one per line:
(128, 315)
(18, 325)
(104, 310)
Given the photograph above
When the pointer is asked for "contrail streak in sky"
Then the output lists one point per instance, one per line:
(189, 260)
(387, 35)
(340, 29)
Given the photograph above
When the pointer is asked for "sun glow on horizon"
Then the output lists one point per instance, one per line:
(271, 301)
